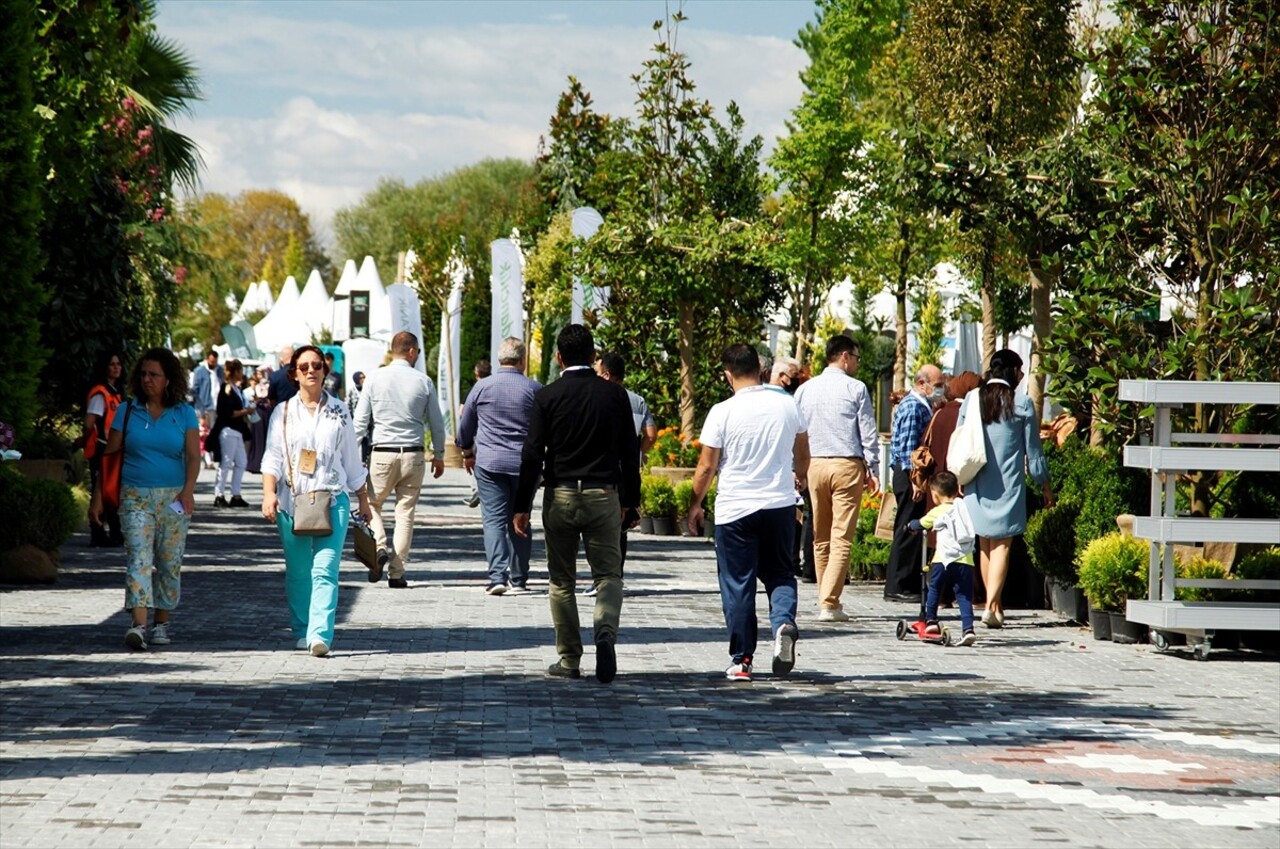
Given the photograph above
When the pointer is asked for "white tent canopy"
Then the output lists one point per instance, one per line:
(315, 306)
(379, 307)
(284, 324)
(347, 281)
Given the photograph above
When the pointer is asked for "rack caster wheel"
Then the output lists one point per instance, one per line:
(1201, 651)
(1159, 641)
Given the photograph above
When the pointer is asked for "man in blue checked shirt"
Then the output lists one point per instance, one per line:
(910, 420)
(491, 434)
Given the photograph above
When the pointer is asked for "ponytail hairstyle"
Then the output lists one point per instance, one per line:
(996, 399)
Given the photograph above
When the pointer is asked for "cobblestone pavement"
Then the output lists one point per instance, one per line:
(432, 723)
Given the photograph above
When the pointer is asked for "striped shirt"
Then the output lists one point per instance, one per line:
(910, 421)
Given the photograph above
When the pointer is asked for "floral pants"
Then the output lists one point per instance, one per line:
(155, 538)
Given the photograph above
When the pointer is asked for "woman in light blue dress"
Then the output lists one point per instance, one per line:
(997, 497)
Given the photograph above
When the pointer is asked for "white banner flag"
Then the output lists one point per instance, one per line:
(507, 282)
(406, 314)
(449, 363)
(586, 221)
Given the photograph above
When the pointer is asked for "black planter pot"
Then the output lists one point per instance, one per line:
(1068, 602)
(1100, 620)
(664, 526)
(1124, 631)
(646, 525)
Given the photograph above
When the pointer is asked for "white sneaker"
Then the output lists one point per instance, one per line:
(136, 638)
(160, 634)
(590, 591)
(517, 590)
(833, 614)
(784, 649)
(319, 649)
(739, 671)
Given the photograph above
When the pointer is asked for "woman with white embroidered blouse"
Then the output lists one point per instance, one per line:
(312, 448)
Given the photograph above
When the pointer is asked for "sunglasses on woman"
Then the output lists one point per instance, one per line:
(306, 367)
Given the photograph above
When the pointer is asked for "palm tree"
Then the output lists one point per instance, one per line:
(164, 85)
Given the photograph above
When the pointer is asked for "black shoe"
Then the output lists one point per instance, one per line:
(606, 661)
(905, 598)
(558, 670)
(219, 502)
(237, 501)
(397, 583)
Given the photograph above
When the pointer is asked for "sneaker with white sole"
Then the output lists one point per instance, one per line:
(300, 644)
(160, 634)
(516, 589)
(739, 671)
(136, 638)
(833, 614)
(590, 591)
(319, 648)
(784, 649)
(496, 589)
(968, 639)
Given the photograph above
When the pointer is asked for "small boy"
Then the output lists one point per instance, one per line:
(953, 558)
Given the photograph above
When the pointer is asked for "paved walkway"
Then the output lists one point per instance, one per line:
(431, 724)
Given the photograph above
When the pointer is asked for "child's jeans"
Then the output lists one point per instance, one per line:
(958, 576)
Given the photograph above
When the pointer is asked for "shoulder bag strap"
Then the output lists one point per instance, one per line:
(284, 438)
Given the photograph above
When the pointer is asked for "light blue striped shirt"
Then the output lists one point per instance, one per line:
(841, 421)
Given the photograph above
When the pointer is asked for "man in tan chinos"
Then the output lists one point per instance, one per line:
(845, 450)
(399, 400)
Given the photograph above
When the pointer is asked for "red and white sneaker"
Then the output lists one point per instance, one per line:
(739, 671)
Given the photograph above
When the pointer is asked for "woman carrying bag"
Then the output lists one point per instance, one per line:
(160, 437)
(99, 410)
(311, 463)
(996, 497)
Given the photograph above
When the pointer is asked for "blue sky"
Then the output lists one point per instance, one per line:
(321, 98)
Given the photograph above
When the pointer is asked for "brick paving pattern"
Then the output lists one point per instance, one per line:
(432, 723)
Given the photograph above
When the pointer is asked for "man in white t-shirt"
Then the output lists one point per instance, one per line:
(756, 442)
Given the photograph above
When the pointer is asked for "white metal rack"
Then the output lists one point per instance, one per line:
(1248, 452)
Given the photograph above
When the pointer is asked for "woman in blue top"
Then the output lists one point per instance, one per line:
(160, 436)
(997, 497)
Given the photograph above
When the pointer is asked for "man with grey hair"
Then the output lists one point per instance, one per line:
(491, 434)
(910, 421)
(785, 374)
(399, 400)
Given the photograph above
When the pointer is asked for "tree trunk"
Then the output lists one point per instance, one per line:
(988, 287)
(900, 317)
(686, 371)
(1095, 431)
(1043, 281)
(1203, 482)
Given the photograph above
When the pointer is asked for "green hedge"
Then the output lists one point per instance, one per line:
(1113, 569)
(42, 513)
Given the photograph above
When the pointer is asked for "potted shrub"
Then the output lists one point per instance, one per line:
(647, 482)
(39, 515)
(659, 502)
(1051, 544)
(671, 457)
(868, 554)
(1113, 569)
(684, 501)
(1260, 566)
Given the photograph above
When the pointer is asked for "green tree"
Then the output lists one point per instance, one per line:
(933, 321)
(812, 161)
(683, 251)
(1184, 114)
(990, 94)
(20, 297)
(572, 164)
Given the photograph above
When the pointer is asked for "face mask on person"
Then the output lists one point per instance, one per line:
(792, 385)
(938, 394)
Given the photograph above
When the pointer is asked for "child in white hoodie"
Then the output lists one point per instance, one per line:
(953, 558)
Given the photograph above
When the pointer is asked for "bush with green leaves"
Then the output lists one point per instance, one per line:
(1200, 568)
(657, 497)
(1260, 566)
(1112, 570)
(867, 551)
(1098, 483)
(1051, 541)
(684, 497)
(36, 512)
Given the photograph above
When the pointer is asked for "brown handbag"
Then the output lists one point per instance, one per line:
(311, 510)
(923, 463)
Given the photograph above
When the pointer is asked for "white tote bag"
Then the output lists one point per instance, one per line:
(967, 452)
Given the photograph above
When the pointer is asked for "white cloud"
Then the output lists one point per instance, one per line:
(322, 108)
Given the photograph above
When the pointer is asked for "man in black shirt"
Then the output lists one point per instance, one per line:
(583, 441)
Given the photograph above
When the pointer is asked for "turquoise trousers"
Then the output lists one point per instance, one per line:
(311, 574)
